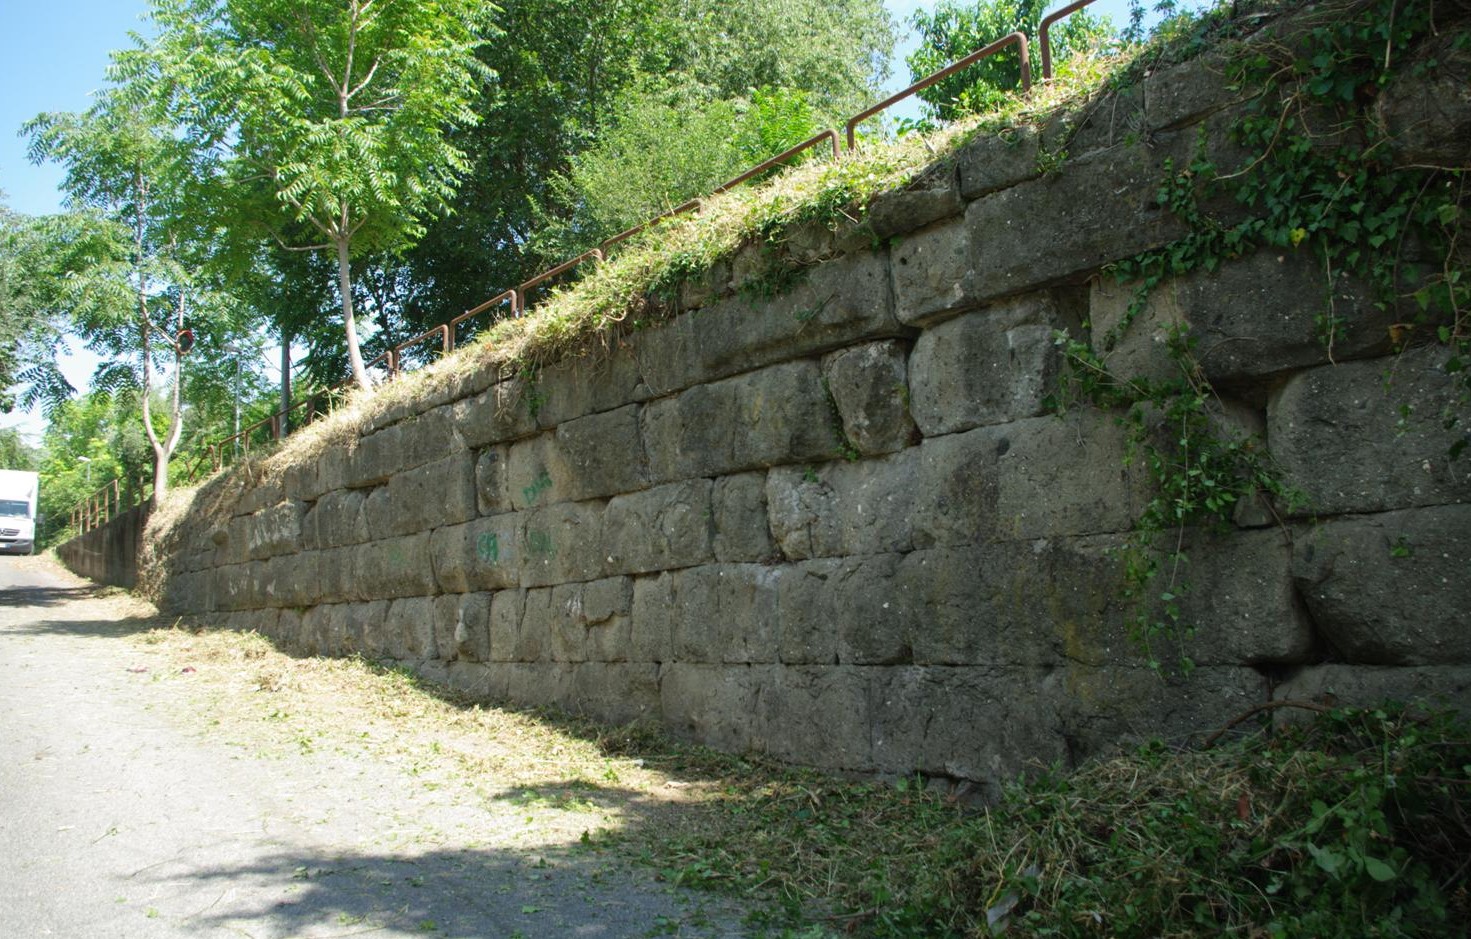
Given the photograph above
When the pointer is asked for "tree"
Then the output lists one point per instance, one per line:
(15, 453)
(330, 116)
(570, 74)
(955, 29)
(28, 333)
(124, 280)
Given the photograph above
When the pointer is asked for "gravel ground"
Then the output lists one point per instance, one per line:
(124, 813)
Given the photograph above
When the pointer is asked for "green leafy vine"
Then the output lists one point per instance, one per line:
(1322, 176)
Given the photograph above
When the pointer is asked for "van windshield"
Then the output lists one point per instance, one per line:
(15, 508)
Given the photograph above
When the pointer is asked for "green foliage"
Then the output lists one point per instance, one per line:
(954, 29)
(1355, 824)
(665, 147)
(1318, 176)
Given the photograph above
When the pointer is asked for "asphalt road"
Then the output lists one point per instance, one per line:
(118, 821)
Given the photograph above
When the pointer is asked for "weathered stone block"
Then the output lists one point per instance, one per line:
(1184, 93)
(507, 607)
(462, 627)
(1106, 710)
(1098, 208)
(538, 473)
(337, 519)
(782, 411)
(492, 481)
(562, 543)
(711, 703)
(603, 453)
(1249, 319)
(428, 496)
(375, 458)
(934, 196)
(741, 531)
(1342, 685)
(1007, 482)
(651, 630)
(408, 629)
(869, 385)
(817, 716)
(485, 554)
(844, 508)
(397, 567)
(301, 482)
(1391, 589)
(725, 613)
(1426, 111)
(988, 725)
(502, 413)
(852, 611)
(259, 494)
(836, 304)
(587, 384)
(662, 528)
(616, 693)
(292, 580)
(995, 161)
(1370, 436)
(993, 365)
(931, 272)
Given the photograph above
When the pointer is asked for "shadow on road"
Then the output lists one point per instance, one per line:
(568, 892)
(48, 596)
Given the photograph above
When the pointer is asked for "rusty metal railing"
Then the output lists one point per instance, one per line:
(517, 297)
(95, 510)
(1018, 39)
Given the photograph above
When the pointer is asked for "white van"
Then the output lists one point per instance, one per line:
(19, 491)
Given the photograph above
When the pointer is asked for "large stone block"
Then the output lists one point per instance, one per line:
(998, 160)
(502, 413)
(492, 481)
(485, 554)
(1106, 710)
(932, 271)
(725, 613)
(818, 716)
(1391, 589)
(462, 630)
(408, 629)
(1342, 685)
(275, 530)
(616, 692)
(1097, 209)
(993, 365)
(538, 473)
(396, 567)
(852, 611)
(336, 519)
(603, 453)
(603, 380)
(1037, 478)
(869, 385)
(1370, 436)
(711, 704)
(428, 496)
(1249, 319)
(1426, 110)
(741, 530)
(842, 508)
(836, 304)
(292, 580)
(651, 630)
(507, 608)
(782, 412)
(661, 529)
(583, 622)
(562, 543)
(375, 458)
(986, 725)
(935, 195)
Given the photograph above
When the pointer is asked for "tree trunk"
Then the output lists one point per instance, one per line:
(286, 383)
(344, 285)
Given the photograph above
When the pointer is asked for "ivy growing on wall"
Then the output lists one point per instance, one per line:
(1321, 177)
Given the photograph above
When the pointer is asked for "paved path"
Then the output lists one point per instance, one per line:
(118, 821)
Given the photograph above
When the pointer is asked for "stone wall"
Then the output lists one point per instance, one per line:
(109, 553)
(840, 527)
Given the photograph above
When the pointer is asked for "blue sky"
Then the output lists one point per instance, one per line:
(54, 54)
